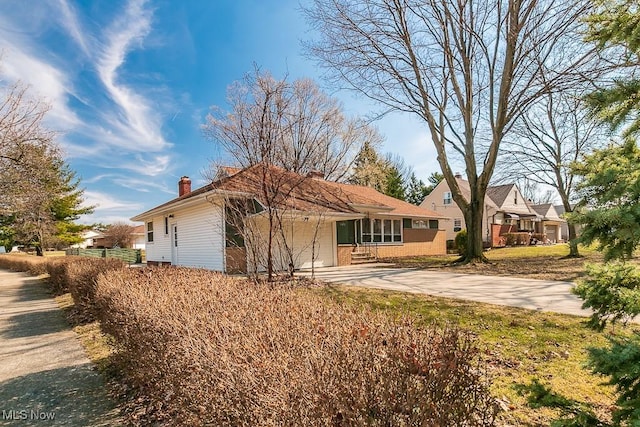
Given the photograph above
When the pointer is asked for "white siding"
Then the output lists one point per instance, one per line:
(200, 242)
(200, 237)
(159, 250)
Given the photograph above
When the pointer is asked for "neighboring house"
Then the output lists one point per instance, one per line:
(505, 211)
(564, 227)
(550, 223)
(441, 201)
(90, 238)
(328, 223)
(139, 237)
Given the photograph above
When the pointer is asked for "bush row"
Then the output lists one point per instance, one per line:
(73, 274)
(206, 349)
(26, 263)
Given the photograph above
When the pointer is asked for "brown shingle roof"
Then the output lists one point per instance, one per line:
(277, 187)
(499, 193)
(294, 191)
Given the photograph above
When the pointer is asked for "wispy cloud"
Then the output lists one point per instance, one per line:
(106, 202)
(46, 80)
(68, 19)
(136, 119)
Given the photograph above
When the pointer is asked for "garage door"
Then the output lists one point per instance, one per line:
(552, 233)
(324, 244)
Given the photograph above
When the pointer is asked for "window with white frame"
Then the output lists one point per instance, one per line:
(150, 232)
(420, 223)
(381, 230)
(457, 224)
(166, 225)
(446, 198)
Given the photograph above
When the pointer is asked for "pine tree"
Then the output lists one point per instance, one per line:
(417, 190)
(394, 185)
(47, 203)
(369, 170)
(611, 195)
(615, 27)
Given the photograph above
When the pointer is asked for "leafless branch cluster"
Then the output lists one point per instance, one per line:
(293, 125)
(468, 69)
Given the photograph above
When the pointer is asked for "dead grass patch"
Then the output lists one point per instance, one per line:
(519, 345)
(535, 262)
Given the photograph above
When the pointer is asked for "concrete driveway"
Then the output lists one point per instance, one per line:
(542, 295)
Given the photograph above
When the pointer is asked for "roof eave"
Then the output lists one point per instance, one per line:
(181, 203)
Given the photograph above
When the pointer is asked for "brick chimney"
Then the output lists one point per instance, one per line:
(315, 175)
(184, 186)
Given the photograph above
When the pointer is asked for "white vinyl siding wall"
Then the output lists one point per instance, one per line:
(158, 250)
(200, 237)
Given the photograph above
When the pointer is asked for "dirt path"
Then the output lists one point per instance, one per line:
(44, 371)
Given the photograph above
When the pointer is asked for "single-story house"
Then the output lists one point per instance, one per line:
(89, 239)
(315, 222)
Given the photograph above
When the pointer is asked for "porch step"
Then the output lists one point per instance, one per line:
(362, 258)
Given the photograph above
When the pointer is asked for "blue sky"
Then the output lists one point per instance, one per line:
(130, 82)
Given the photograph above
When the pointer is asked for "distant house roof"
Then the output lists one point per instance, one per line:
(466, 193)
(289, 190)
(547, 211)
(499, 193)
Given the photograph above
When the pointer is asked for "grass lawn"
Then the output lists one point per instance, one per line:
(519, 346)
(536, 262)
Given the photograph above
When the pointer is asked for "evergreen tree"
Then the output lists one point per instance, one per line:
(611, 192)
(369, 170)
(434, 179)
(615, 28)
(417, 190)
(394, 185)
(47, 203)
(611, 217)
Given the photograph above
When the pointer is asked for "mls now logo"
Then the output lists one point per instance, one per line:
(23, 415)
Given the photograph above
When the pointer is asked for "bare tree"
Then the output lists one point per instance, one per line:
(532, 191)
(269, 222)
(119, 234)
(545, 141)
(40, 194)
(293, 125)
(25, 145)
(467, 68)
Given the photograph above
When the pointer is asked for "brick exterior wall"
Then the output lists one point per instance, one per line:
(437, 246)
(158, 263)
(497, 231)
(344, 254)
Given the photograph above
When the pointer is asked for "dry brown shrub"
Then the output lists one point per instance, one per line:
(206, 349)
(27, 263)
(57, 270)
(78, 276)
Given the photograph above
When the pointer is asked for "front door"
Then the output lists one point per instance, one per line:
(174, 244)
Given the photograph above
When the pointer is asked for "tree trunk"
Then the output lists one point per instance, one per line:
(573, 242)
(473, 219)
(270, 248)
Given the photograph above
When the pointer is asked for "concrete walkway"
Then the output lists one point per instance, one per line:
(542, 295)
(45, 375)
